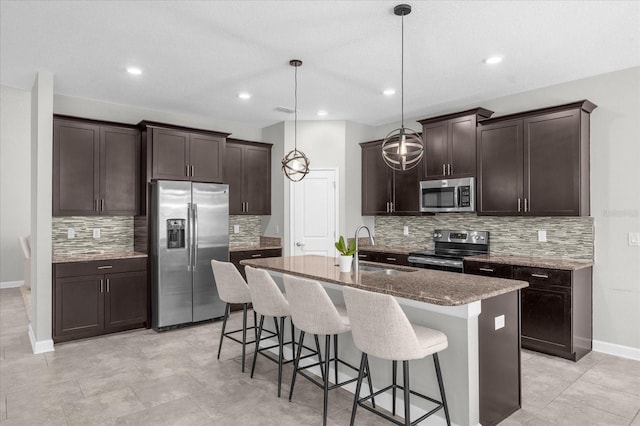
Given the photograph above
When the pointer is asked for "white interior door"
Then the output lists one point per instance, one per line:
(314, 215)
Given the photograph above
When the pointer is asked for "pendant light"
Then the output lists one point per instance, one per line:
(402, 149)
(295, 165)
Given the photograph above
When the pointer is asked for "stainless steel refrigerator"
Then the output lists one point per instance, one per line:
(190, 226)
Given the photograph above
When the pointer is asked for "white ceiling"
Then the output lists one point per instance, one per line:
(198, 55)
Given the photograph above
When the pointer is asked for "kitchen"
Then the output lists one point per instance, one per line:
(613, 206)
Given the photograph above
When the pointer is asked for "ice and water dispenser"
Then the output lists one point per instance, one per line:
(175, 233)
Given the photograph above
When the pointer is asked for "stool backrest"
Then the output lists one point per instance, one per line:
(312, 311)
(380, 326)
(231, 286)
(266, 296)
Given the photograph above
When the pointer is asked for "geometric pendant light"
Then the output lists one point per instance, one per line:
(295, 165)
(403, 148)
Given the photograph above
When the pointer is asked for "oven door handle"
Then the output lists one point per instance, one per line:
(418, 260)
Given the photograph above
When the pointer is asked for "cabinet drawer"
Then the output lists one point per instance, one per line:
(99, 267)
(542, 276)
(488, 269)
(369, 256)
(393, 258)
(237, 256)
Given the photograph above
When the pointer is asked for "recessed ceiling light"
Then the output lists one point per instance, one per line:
(244, 95)
(389, 92)
(322, 112)
(134, 70)
(493, 60)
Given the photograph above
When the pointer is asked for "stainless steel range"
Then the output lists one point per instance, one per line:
(450, 249)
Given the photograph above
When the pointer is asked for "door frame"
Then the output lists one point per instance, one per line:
(336, 195)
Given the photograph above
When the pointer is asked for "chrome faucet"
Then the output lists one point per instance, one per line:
(355, 260)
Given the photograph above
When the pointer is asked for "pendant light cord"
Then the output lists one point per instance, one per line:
(402, 76)
(295, 110)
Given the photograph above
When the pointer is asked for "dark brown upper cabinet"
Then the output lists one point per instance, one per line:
(535, 163)
(384, 190)
(248, 173)
(179, 153)
(96, 168)
(450, 144)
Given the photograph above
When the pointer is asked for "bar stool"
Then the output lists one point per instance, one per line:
(233, 289)
(381, 329)
(269, 301)
(312, 311)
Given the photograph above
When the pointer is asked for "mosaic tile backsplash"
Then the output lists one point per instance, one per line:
(116, 234)
(567, 237)
(250, 229)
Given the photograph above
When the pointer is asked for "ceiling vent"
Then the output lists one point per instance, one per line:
(286, 110)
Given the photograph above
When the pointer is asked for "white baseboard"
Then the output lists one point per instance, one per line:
(11, 284)
(617, 350)
(42, 346)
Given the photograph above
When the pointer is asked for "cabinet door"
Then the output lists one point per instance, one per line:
(125, 300)
(170, 154)
(406, 191)
(119, 171)
(552, 164)
(233, 176)
(499, 169)
(257, 180)
(206, 157)
(78, 307)
(375, 180)
(462, 146)
(488, 269)
(393, 258)
(76, 174)
(436, 156)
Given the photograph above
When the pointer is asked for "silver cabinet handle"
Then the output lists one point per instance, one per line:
(101, 205)
(391, 209)
(526, 208)
(247, 206)
(108, 285)
(105, 267)
(193, 168)
(362, 256)
(186, 170)
(486, 269)
(540, 275)
(101, 286)
(256, 255)
(444, 170)
(518, 205)
(95, 205)
(449, 169)
(391, 258)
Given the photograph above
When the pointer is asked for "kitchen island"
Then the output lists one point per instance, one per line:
(449, 302)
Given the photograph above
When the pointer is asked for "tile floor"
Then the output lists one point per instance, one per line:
(173, 378)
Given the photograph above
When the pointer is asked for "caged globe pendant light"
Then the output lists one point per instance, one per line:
(295, 165)
(402, 149)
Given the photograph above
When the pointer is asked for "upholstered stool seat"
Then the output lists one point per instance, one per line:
(380, 328)
(232, 289)
(312, 311)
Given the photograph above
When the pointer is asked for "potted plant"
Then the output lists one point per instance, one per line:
(346, 253)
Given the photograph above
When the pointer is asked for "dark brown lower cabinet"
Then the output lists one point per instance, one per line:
(236, 256)
(384, 257)
(94, 298)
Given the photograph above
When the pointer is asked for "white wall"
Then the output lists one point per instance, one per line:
(355, 134)
(274, 225)
(15, 180)
(615, 192)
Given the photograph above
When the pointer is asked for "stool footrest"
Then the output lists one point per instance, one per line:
(228, 335)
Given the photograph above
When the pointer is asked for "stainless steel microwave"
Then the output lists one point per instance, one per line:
(448, 195)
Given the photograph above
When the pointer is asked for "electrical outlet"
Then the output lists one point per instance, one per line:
(71, 233)
(236, 229)
(499, 322)
(542, 236)
(96, 233)
(634, 238)
(405, 230)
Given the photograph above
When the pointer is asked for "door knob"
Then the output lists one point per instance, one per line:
(299, 244)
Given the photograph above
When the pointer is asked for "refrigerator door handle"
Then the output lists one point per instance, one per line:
(189, 236)
(194, 208)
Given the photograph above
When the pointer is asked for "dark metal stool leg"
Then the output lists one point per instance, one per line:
(280, 350)
(373, 400)
(315, 336)
(356, 397)
(255, 323)
(244, 333)
(293, 338)
(255, 353)
(224, 326)
(296, 361)
(335, 356)
(407, 393)
(394, 374)
(436, 362)
(327, 358)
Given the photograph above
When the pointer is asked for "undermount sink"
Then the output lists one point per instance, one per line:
(386, 271)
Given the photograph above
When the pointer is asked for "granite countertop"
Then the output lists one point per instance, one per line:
(254, 247)
(424, 285)
(91, 256)
(535, 262)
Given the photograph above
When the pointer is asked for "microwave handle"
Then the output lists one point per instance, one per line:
(456, 197)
